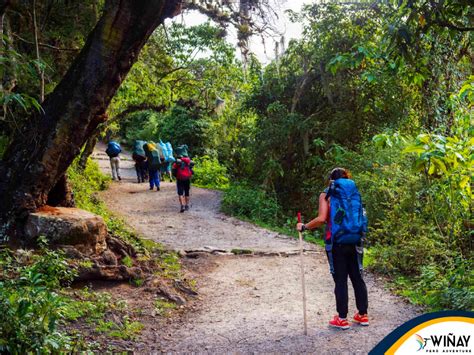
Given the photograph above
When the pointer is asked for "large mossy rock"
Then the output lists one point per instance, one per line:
(85, 231)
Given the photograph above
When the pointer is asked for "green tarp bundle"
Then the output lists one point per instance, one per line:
(182, 151)
(138, 149)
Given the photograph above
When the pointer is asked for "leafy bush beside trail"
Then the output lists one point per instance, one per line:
(417, 234)
(209, 173)
(31, 305)
(39, 310)
(250, 203)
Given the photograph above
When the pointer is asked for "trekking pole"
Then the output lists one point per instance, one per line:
(302, 278)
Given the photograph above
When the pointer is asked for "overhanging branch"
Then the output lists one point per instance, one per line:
(136, 108)
(46, 45)
(452, 26)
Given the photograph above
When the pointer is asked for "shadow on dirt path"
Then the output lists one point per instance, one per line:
(246, 304)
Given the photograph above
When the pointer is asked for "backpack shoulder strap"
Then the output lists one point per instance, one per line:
(330, 190)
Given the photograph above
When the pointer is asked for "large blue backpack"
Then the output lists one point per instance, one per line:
(348, 222)
(167, 151)
(113, 149)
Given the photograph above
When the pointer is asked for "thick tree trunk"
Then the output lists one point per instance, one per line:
(42, 151)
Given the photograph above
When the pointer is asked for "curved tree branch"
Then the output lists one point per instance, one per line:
(136, 108)
(213, 12)
(452, 26)
(46, 45)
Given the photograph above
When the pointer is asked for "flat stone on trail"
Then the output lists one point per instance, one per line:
(68, 226)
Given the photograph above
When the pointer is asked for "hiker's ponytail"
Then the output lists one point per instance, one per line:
(339, 173)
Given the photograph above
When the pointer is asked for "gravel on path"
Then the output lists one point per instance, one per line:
(246, 304)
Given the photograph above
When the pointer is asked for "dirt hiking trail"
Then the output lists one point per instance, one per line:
(246, 303)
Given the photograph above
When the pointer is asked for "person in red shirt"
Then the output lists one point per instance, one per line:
(183, 171)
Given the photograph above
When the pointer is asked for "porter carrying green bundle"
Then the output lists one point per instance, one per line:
(154, 161)
(139, 157)
(182, 151)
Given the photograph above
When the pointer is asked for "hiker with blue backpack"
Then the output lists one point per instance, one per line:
(169, 160)
(113, 151)
(340, 208)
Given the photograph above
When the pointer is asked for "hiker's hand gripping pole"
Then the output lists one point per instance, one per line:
(303, 284)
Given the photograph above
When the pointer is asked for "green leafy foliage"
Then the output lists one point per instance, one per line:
(251, 203)
(127, 261)
(450, 286)
(169, 265)
(209, 173)
(86, 183)
(30, 304)
(89, 305)
(440, 289)
(180, 125)
(417, 228)
(319, 105)
(163, 307)
(183, 125)
(63, 30)
(126, 329)
(187, 70)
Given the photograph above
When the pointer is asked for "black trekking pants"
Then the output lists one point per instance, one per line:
(346, 264)
(141, 169)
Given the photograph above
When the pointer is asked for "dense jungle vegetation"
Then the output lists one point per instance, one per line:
(385, 90)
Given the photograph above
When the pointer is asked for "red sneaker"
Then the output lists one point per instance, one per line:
(339, 323)
(362, 319)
